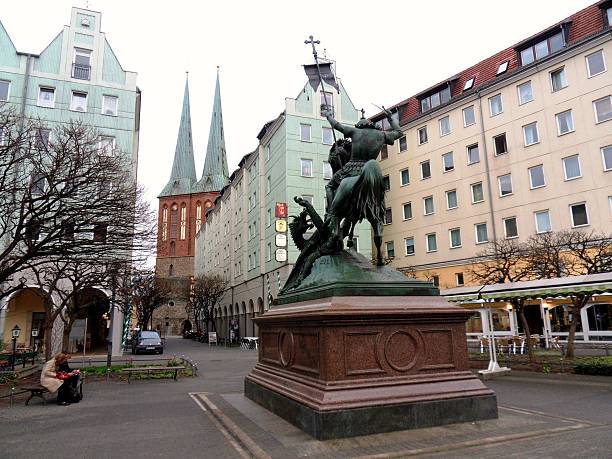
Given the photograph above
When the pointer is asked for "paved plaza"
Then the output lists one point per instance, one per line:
(208, 416)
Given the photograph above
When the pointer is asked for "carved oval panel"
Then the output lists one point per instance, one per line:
(401, 350)
(285, 348)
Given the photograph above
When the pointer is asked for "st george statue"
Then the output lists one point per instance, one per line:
(356, 191)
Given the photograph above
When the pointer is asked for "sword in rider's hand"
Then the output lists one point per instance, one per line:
(313, 42)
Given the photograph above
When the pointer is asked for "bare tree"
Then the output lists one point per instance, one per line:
(149, 292)
(504, 261)
(205, 293)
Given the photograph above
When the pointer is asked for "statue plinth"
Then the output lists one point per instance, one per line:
(340, 366)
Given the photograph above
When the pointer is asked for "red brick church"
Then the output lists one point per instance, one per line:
(183, 203)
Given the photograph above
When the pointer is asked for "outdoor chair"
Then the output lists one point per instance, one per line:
(484, 343)
(518, 343)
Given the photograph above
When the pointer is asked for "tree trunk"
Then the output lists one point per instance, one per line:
(48, 331)
(569, 353)
(66, 334)
(521, 312)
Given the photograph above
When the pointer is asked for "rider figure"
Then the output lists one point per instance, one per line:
(367, 139)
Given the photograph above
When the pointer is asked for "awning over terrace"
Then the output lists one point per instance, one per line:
(543, 288)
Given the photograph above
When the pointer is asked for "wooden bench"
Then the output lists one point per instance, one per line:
(149, 370)
(36, 391)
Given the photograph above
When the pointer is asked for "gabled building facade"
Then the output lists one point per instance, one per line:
(238, 239)
(76, 77)
(183, 203)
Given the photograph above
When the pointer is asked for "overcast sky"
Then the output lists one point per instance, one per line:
(385, 52)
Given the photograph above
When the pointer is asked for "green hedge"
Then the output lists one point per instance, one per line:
(595, 366)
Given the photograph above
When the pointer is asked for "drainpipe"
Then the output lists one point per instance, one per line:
(486, 163)
(26, 81)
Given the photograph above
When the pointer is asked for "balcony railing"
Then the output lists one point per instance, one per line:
(81, 72)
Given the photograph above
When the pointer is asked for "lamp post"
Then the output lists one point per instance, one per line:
(15, 334)
(35, 345)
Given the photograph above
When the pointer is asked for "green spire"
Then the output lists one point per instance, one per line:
(215, 175)
(183, 175)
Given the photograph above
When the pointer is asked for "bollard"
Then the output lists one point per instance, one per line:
(11, 397)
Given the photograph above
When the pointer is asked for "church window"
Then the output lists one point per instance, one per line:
(183, 221)
(198, 222)
(171, 270)
(174, 221)
(164, 228)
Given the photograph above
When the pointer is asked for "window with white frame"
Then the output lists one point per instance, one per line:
(305, 132)
(579, 214)
(542, 221)
(4, 90)
(477, 192)
(501, 147)
(422, 135)
(432, 242)
(428, 205)
(603, 109)
(448, 161)
(403, 144)
(38, 183)
(606, 156)
(41, 141)
(530, 134)
(435, 99)
(473, 154)
(445, 127)
(558, 79)
(542, 48)
(571, 167)
(388, 216)
(610, 202)
(106, 145)
(480, 230)
(110, 105)
(595, 63)
(468, 116)
(525, 92)
(78, 102)
(505, 185)
(409, 245)
(404, 177)
(510, 228)
(425, 170)
(469, 83)
(495, 105)
(451, 199)
(407, 210)
(390, 249)
(454, 236)
(328, 136)
(327, 171)
(46, 97)
(536, 176)
(565, 122)
(306, 167)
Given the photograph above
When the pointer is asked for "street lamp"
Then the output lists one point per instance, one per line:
(15, 334)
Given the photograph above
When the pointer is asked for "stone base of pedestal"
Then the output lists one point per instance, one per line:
(327, 425)
(353, 365)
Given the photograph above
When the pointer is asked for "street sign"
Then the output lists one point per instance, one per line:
(281, 255)
(281, 240)
(281, 226)
(212, 338)
(281, 210)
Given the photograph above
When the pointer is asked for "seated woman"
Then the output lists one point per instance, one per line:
(58, 376)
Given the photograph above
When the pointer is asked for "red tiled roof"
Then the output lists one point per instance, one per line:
(583, 23)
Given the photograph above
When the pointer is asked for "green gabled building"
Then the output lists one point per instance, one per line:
(76, 77)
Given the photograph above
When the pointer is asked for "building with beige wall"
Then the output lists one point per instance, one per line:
(517, 144)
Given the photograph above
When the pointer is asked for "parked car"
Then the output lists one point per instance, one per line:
(147, 341)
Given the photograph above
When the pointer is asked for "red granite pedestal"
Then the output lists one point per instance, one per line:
(353, 365)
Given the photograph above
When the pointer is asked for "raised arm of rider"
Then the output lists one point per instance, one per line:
(395, 132)
(343, 128)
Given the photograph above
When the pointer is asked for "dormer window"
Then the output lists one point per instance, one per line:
(469, 84)
(437, 98)
(542, 48)
(503, 67)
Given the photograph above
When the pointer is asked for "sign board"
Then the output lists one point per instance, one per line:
(281, 226)
(281, 255)
(212, 337)
(34, 332)
(281, 240)
(281, 210)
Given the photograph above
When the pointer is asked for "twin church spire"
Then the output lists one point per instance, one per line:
(183, 179)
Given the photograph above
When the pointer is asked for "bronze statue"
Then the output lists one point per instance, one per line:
(355, 192)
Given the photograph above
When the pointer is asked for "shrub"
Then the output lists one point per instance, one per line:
(595, 366)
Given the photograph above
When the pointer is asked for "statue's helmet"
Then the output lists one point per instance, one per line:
(364, 123)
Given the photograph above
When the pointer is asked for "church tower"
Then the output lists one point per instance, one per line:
(183, 203)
